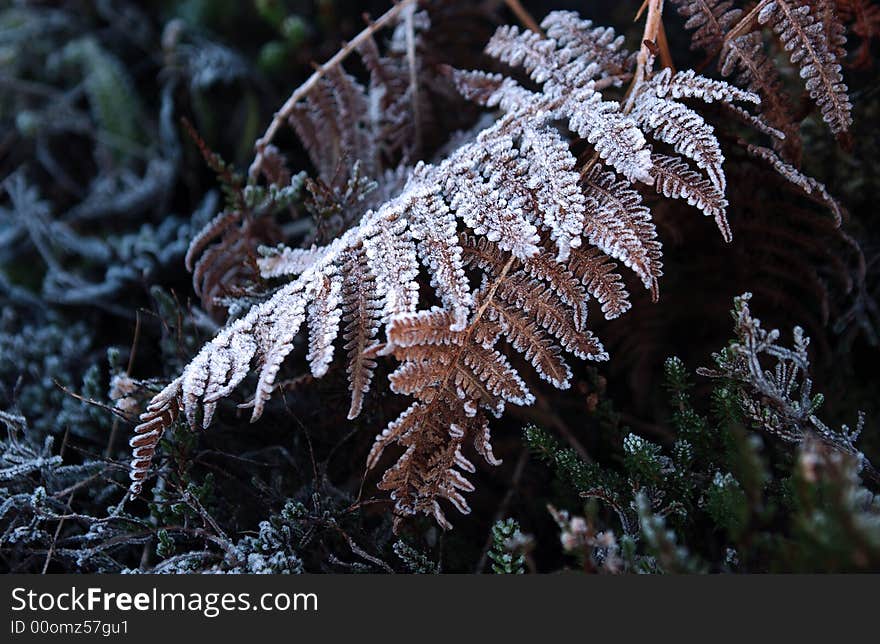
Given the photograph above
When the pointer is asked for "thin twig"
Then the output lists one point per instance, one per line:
(303, 90)
(363, 554)
(651, 35)
(131, 355)
(746, 23)
(523, 15)
(192, 501)
(61, 521)
(665, 52)
(413, 73)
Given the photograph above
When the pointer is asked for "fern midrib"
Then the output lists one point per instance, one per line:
(472, 327)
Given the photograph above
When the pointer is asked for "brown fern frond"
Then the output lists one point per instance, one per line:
(550, 312)
(430, 469)
(863, 18)
(621, 226)
(562, 281)
(805, 38)
(814, 189)
(828, 15)
(208, 234)
(674, 179)
(712, 21)
(527, 337)
(597, 273)
(362, 318)
(156, 419)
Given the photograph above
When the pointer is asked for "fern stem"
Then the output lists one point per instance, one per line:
(653, 25)
(746, 23)
(523, 15)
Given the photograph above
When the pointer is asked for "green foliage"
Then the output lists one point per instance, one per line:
(727, 505)
(506, 560)
(570, 467)
(111, 93)
(769, 509)
(415, 560)
(292, 31)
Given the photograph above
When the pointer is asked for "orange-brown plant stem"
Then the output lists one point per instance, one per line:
(650, 37)
(522, 15)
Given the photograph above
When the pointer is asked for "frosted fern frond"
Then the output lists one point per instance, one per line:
(286, 262)
(159, 415)
(674, 179)
(571, 90)
(362, 315)
(829, 16)
(689, 84)
(809, 30)
(581, 39)
(711, 20)
(657, 111)
(810, 186)
(804, 37)
(555, 183)
(621, 226)
(497, 248)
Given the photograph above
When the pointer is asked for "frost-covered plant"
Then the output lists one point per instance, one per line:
(415, 560)
(271, 551)
(595, 551)
(99, 175)
(515, 235)
(801, 509)
(778, 398)
(507, 545)
(35, 492)
(71, 258)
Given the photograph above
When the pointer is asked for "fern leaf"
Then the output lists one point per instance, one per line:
(621, 227)
(324, 315)
(805, 40)
(674, 179)
(434, 228)
(814, 189)
(160, 414)
(561, 280)
(362, 318)
(287, 262)
(597, 273)
(551, 313)
(391, 256)
(513, 235)
(686, 132)
(533, 342)
(571, 84)
(555, 183)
